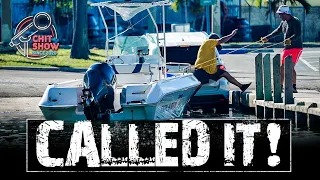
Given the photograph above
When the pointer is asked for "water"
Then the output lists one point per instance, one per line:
(13, 136)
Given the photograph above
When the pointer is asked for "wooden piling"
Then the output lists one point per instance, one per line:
(288, 89)
(276, 79)
(267, 78)
(259, 84)
(268, 112)
(259, 77)
(278, 113)
(236, 95)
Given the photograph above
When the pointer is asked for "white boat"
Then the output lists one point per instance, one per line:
(181, 53)
(131, 86)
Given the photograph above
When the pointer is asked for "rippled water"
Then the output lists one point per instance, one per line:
(13, 138)
(13, 127)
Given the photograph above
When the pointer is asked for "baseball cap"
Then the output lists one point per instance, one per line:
(283, 9)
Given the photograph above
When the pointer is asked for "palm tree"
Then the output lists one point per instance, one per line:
(176, 6)
(80, 44)
(194, 7)
(6, 21)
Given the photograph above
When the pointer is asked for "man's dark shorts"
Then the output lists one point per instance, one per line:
(204, 77)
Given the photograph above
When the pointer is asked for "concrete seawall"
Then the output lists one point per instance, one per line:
(304, 112)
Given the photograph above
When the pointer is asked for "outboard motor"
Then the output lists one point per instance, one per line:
(98, 93)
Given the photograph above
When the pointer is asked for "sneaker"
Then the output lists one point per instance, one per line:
(244, 87)
(294, 90)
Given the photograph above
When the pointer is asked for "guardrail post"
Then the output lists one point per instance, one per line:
(268, 112)
(288, 89)
(259, 84)
(278, 113)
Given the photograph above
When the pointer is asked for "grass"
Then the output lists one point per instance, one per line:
(62, 59)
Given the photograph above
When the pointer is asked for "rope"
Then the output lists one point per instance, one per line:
(249, 51)
(261, 42)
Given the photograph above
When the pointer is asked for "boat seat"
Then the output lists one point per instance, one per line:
(137, 73)
(143, 68)
(134, 93)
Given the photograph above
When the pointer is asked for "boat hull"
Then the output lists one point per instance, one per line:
(60, 101)
(166, 100)
(68, 113)
(171, 106)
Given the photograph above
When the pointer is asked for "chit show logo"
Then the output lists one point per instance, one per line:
(35, 37)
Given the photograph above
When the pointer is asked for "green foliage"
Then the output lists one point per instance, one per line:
(193, 6)
(62, 9)
(276, 3)
(177, 4)
(63, 6)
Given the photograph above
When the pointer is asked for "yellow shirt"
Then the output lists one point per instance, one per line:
(206, 58)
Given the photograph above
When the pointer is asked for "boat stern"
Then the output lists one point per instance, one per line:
(61, 102)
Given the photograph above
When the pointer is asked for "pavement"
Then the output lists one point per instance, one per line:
(31, 82)
(24, 68)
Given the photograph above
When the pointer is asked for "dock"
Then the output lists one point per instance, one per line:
(268, 101)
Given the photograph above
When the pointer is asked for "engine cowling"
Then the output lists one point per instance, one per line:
(98, 93)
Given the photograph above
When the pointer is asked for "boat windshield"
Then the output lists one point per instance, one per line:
(125, 45)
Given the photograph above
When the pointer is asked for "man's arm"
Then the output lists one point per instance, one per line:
(277, 31)
(227, 37)
(296, 30)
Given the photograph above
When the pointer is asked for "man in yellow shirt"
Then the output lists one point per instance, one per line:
(206, 63)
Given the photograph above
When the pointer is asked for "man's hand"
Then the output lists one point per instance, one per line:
(227, 38)
(264, 39)
(287, 42)
(234, 32)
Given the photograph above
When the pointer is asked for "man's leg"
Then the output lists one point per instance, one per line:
(296, 55)
(294, 78)
(232, 80)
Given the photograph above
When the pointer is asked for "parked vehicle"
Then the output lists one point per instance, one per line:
(243, 26)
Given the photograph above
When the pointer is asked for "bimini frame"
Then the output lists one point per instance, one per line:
(139, 6)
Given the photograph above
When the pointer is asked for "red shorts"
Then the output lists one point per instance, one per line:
(294, 52)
